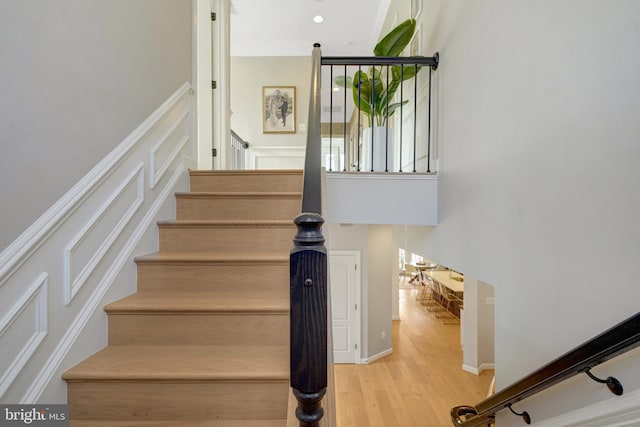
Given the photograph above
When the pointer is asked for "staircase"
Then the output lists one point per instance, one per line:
(205, 340)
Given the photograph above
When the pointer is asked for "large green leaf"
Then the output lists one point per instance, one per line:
(405, 72)
(394, 43)
(343, 81)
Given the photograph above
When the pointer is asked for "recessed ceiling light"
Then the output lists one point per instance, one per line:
(336, 89)
(318, 19)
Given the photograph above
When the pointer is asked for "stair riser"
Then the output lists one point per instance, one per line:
(291, 182)
(227, 240)
(199, 329)
(182, 401)
(266, 280)
(221, 208)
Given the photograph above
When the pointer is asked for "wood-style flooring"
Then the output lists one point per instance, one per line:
(416, 385)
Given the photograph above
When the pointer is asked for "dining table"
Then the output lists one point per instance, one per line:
(448, 278)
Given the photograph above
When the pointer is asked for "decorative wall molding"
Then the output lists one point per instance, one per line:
(164, 152)
(20, 250)
(82, 243)
(93, 303)
(102, 230)
(35, 298)
(269, 157)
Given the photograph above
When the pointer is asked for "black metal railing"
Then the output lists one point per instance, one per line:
(308, 277)
(238, 151)
(619, 339)
(381, 86)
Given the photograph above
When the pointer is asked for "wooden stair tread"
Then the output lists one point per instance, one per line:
(184, 363)
(197, 302)
(213, 257)
(239, 194)
(227, 223)
(194, 172)
(181, 423)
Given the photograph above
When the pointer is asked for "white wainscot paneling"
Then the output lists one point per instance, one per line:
(87, 248)
(83, 243)
(22, 330)
(172, 138)
(276, 157)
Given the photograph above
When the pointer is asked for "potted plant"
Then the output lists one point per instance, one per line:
(376, 102)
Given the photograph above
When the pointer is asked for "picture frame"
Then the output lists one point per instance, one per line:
(276, 102)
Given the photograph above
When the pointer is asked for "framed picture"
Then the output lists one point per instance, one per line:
(278, 109)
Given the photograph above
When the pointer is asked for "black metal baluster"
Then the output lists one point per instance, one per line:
(344, 125)
(429, 127)
(372, 107)
(401, 116)
(331, 119)
(359, 101)
(415, 114)
(386, 145)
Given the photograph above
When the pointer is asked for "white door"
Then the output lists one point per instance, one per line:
(345, 305)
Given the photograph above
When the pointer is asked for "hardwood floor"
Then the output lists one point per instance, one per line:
(416, 385)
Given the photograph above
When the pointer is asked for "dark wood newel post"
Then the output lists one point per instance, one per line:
(308, 263)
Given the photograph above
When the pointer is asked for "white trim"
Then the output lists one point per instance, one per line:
(20, 250)
(395, 318)
(375, 357)
(221, 71)
(477, 371)
(470, 369)
(274, 152)
(52, 364)
(156, 175)
(73, 284)
(616, 411)
(202, 79)
(38, 291)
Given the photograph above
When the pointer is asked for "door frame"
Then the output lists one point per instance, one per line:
(358, 285)
(213, 119)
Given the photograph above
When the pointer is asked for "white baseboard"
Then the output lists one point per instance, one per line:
(396, 318)
(479, 369)
(375, 357)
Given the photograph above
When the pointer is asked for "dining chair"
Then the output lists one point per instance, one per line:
(452, 308)
(411, 272)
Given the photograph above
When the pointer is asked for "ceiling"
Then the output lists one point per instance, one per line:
(286, 27)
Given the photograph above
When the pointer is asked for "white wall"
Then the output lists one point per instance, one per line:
(538, 145)
(76, 78)
(477, 327)
(248, 76)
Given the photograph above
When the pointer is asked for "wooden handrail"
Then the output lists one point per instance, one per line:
(308, 277)
(619, 339)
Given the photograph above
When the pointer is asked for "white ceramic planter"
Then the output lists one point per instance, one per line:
(382, 150)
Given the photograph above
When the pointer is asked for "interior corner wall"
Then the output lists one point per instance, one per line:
(248, 76)
(76, 78)
(379, 288)
(537, 130)
(375, 243)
